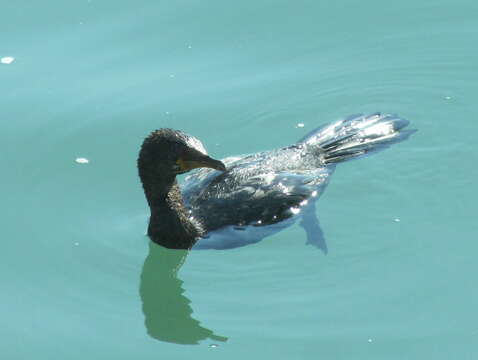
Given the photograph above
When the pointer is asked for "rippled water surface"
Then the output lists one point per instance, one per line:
(89, 79)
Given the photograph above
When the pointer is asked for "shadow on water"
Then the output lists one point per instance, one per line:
(168, 313)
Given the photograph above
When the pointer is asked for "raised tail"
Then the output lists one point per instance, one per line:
(357, 135)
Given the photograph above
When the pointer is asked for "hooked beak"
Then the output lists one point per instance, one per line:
(195, 159)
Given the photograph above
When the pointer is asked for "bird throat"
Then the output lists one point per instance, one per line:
(170, 223)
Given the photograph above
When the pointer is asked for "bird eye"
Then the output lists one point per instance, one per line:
(176, 168)
(179, 169)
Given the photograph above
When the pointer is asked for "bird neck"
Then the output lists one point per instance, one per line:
(170, 223)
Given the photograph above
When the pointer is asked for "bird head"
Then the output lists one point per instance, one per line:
(174, 152)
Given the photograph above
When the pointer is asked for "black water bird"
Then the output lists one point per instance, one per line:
(240, 200)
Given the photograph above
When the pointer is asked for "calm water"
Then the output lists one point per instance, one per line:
(91, 78)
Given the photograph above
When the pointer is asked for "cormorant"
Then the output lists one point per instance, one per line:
(242, 199)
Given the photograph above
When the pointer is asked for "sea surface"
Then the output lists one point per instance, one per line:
(83, 82)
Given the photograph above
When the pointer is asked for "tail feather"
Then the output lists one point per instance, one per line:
(357, 135)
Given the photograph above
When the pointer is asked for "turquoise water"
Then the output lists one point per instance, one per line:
(91, 78)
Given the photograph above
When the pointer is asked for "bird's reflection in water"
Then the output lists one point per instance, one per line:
(168, 313)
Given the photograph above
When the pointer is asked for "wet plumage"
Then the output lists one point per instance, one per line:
(245, 198)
